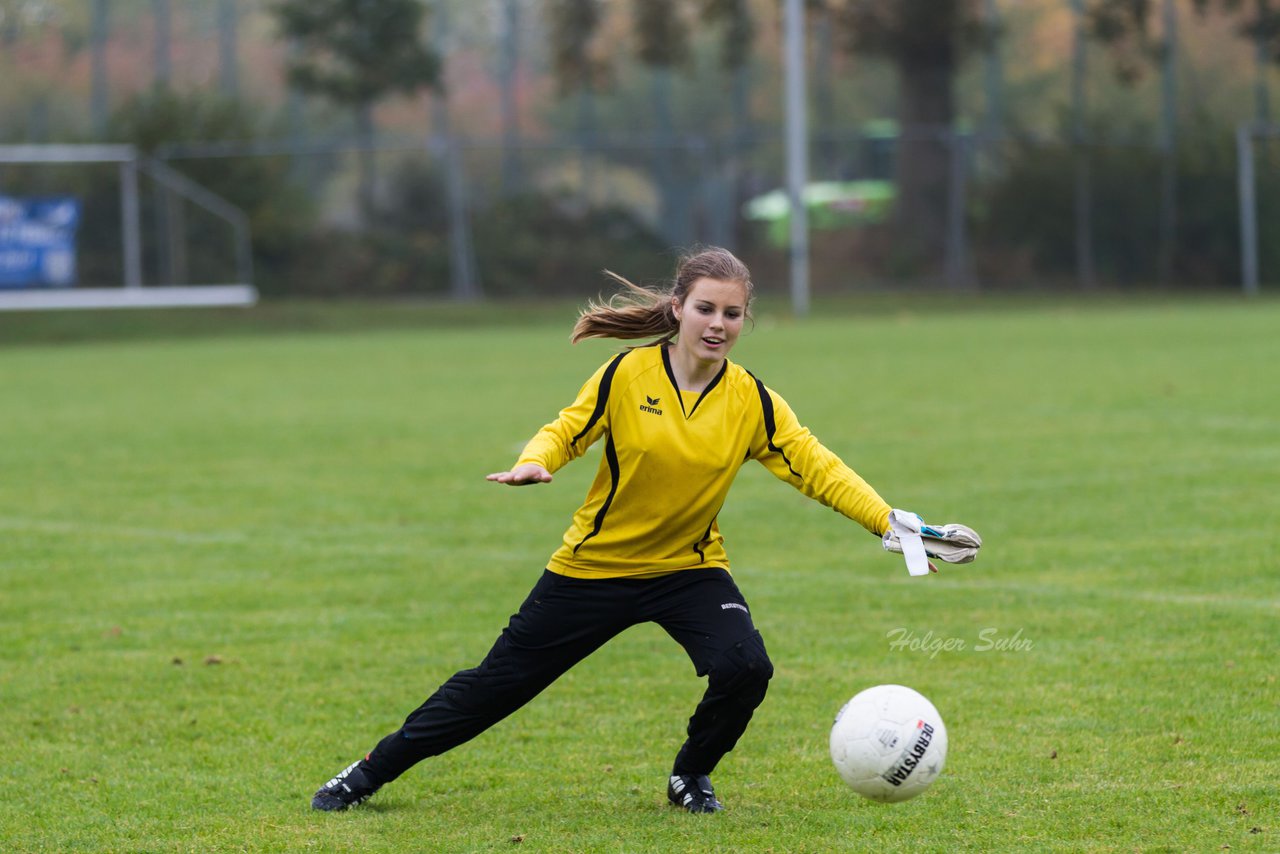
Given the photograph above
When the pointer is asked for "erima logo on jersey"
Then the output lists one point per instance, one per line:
(652, 406)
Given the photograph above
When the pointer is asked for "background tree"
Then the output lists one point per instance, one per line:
(662, 43)
(508, 76)
(1124, 26)
(926, 41)
(579, 68)
(821, 16)
(1265, 32)
(356, 52)
(737, 35)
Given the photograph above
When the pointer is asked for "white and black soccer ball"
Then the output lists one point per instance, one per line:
(889, 743)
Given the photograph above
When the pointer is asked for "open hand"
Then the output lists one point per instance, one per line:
(521, 475)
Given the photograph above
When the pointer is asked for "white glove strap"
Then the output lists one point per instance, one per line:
(907, 528)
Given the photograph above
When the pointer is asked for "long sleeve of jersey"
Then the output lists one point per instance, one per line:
(578, 426)
(795, 455)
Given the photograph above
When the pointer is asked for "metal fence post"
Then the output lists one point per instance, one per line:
(1248, 209)
(797, 152)
(130, 227)
(1081, 153)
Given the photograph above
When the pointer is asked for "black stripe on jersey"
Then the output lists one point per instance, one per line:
(671, 375)
(602, 397)
(770, 426)
(697, 547)
(611, 455)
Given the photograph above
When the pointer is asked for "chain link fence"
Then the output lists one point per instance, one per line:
(467, 216)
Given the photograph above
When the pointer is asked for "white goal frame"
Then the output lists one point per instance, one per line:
(133, 294)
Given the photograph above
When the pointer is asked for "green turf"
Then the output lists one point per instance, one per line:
(229, 563)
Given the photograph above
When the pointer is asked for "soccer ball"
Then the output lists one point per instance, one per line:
(889, 743)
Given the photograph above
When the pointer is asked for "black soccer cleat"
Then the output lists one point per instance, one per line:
(350, 787)
(693, 793)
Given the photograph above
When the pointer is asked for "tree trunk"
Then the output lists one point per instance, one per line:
(926, 109)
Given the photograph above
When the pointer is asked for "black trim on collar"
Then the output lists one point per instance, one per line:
(671, 375)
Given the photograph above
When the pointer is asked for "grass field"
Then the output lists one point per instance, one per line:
(230, 562)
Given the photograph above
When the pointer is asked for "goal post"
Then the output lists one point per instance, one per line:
(132, 293)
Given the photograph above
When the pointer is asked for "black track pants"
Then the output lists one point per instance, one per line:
(566, 619)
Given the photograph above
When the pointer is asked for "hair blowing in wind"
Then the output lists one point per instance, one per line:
(638, 312)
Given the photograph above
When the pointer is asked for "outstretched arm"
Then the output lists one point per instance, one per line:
(787, 449)
(578, 425)
(792, 453)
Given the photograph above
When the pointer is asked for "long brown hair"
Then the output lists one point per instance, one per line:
(637, 312)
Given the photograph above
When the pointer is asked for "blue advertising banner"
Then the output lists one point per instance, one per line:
(38, 242)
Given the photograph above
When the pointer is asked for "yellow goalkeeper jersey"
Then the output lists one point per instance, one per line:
(669, 459)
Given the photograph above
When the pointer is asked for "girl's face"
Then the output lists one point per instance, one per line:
(711, 318)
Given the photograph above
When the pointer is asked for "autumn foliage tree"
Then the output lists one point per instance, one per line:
(356, 52)
(926, 41)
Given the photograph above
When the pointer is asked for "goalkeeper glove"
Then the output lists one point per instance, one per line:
(916, 541)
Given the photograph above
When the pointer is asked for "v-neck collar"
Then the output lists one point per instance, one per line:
(671, 375)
